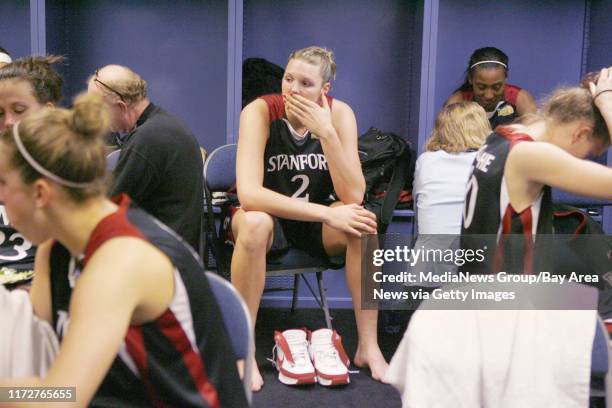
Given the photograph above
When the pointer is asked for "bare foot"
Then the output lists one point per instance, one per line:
(256, 378)
(372, 358)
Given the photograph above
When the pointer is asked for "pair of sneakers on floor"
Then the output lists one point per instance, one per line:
(304, 357)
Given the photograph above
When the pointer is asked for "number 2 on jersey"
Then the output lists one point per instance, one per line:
(305, 182)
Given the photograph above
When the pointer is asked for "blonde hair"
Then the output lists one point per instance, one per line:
(318, 56)
(67, 143)
(567, 105)
(459, 127)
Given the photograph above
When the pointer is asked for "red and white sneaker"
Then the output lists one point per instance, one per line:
(329, 358)
(292, 359)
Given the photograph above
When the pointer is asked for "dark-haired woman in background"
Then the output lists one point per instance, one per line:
(5, 57)
(26, 85)
(485, 83)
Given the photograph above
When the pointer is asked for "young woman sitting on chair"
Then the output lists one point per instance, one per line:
(295, 149)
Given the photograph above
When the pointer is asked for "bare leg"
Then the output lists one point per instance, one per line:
(368, 352)
(253, 232)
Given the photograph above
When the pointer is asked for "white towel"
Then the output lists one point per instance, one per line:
(495, 359)
(28, 345)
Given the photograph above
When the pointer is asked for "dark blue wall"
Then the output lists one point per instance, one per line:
(374, 42)
(599, 55)
(599, 50)
(15, 27)
(543, 40)
(415, 70)
(179, 48)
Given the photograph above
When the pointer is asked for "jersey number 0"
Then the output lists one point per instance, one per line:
(470, 202)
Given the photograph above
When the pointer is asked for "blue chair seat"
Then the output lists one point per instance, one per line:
(300, 261)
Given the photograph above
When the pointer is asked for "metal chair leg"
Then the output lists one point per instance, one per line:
(296, 288)
(324, 306)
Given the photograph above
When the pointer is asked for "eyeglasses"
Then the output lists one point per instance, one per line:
(108, 87)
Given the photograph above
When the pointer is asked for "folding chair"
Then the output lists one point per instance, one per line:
(237, 324)
(220, 176)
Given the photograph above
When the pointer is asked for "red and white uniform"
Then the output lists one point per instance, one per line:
(488, 211)
(184, 357)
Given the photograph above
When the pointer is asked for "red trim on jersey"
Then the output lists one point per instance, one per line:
(112, 226)
(510, 94)
(134, 343)
(467, 95)
(526, 217)
(506, 228)
(507, 132)
(507, 220)
(172, 329)
(276, 105)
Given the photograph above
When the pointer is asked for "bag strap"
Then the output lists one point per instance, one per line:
(581, 216)
(394, 189)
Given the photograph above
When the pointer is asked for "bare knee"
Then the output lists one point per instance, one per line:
(254, 231)
(337, 243)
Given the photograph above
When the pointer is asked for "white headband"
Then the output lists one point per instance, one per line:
(4, 57)
(38, 167)
(489, 62)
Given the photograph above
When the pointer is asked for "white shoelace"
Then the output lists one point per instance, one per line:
(298, 349)
(327, 353)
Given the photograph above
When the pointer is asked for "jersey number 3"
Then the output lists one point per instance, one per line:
(21, 246)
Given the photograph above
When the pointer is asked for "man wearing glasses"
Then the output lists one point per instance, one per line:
(160, 164)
